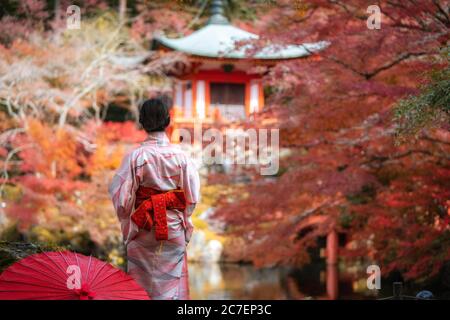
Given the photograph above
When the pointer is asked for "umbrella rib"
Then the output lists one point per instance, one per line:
(13, 271)
(57, 265)
(98, 271)
(128, 294)
(141, 297)
(137, 290)
(78, 264)
(67, 263)
(125, 280)
(78, 261)
(41, 298)
(88, 269)
(54, 297)
(21, 263)
(29, 284)
(64, 258)
(109, 275)
(45, 297)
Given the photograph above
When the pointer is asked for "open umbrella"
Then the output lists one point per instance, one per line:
(67, 276)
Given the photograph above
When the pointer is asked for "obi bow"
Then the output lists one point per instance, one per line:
(151, 209)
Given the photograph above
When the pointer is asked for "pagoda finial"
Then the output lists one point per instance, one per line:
(217, 13)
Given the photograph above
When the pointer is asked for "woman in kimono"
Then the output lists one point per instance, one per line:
(154, 193)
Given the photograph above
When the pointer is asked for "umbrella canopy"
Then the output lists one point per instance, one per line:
(67, 276)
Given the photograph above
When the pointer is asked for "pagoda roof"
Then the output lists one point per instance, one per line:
(223, 40)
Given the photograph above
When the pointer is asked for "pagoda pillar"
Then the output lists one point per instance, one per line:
(200, 98)
(255, 96)
(332, 247)
(194, 98)
(177, 98)
(207, 99)
(332, 267)
(247, 98)
(261, 96)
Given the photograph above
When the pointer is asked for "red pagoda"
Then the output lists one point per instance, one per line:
(220, 83)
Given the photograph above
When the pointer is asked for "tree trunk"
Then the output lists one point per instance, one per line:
(56, 11)
(122, 10)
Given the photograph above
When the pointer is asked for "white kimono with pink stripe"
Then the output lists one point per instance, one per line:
(158, 266)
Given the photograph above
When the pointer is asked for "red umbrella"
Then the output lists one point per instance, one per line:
(67, 276)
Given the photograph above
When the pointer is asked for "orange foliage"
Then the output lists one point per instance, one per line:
(52, 152)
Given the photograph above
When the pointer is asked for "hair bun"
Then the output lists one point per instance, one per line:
(154, 115)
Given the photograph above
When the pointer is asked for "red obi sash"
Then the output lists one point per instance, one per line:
(151, 206)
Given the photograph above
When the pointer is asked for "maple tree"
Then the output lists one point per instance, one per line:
(429, 108)
(58, 152)
(346, 170)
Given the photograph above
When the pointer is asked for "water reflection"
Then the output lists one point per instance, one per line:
(232, 281)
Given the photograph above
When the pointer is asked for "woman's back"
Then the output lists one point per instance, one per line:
(156, 244)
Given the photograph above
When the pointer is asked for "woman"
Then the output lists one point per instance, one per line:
(154, 193)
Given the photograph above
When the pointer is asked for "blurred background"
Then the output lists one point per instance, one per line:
(364, 175)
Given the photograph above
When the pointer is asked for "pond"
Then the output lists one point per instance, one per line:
(234, 281)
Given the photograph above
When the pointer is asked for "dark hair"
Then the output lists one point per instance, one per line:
(154, 115)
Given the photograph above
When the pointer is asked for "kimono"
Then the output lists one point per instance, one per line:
(160, 267)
